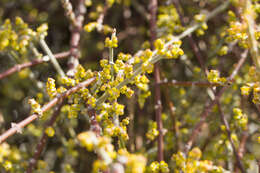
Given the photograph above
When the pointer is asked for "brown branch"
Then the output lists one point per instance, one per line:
(101, 17)
(43, 140)
(209, 106)
(225, 122)
(94, 125)
(158, 104)
(75, 38)
(45, 108)
(241, 147)
(34, 62)
(69, 11)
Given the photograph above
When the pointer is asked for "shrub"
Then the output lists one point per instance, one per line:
(137, 86)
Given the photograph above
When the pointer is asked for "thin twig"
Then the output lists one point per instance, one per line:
(158, 103)
(75, 38)
(69, 11)
(45, 108)
(241, 147)
(101, 17)
(34, 62)
(225, 122)
(43, 140)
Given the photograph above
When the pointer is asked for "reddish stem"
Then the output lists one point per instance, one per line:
(75, 38)
(158, 104)
(34, 62)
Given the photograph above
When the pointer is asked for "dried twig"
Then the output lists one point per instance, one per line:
(34, 62)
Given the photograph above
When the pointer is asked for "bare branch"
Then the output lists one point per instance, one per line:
(19, 67)
(158, 103)
(75, 38)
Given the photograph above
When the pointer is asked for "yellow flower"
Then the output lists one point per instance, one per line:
(50, 131)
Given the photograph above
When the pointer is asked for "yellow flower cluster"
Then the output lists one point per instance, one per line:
(134, 163)
(111, 43)
(237, 31)
(214, 77)
(168, 19)
(252, 85)
(35, 107)
(193, 164)
(18, 36)
(51, 87)
(172, 51)
(223, 51)
(9, 157)
(156, 167)
(200, 18)
(50, 131)
(152, 130)
(240, 118)
(91, 26)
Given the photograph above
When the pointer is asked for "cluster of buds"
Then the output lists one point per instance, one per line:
(152, 130)
(192, 162)
(240, 118)
(18, 37)
(200, 18)
(172, 51)
(35, 107)
(156, 167)
(214, 77)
